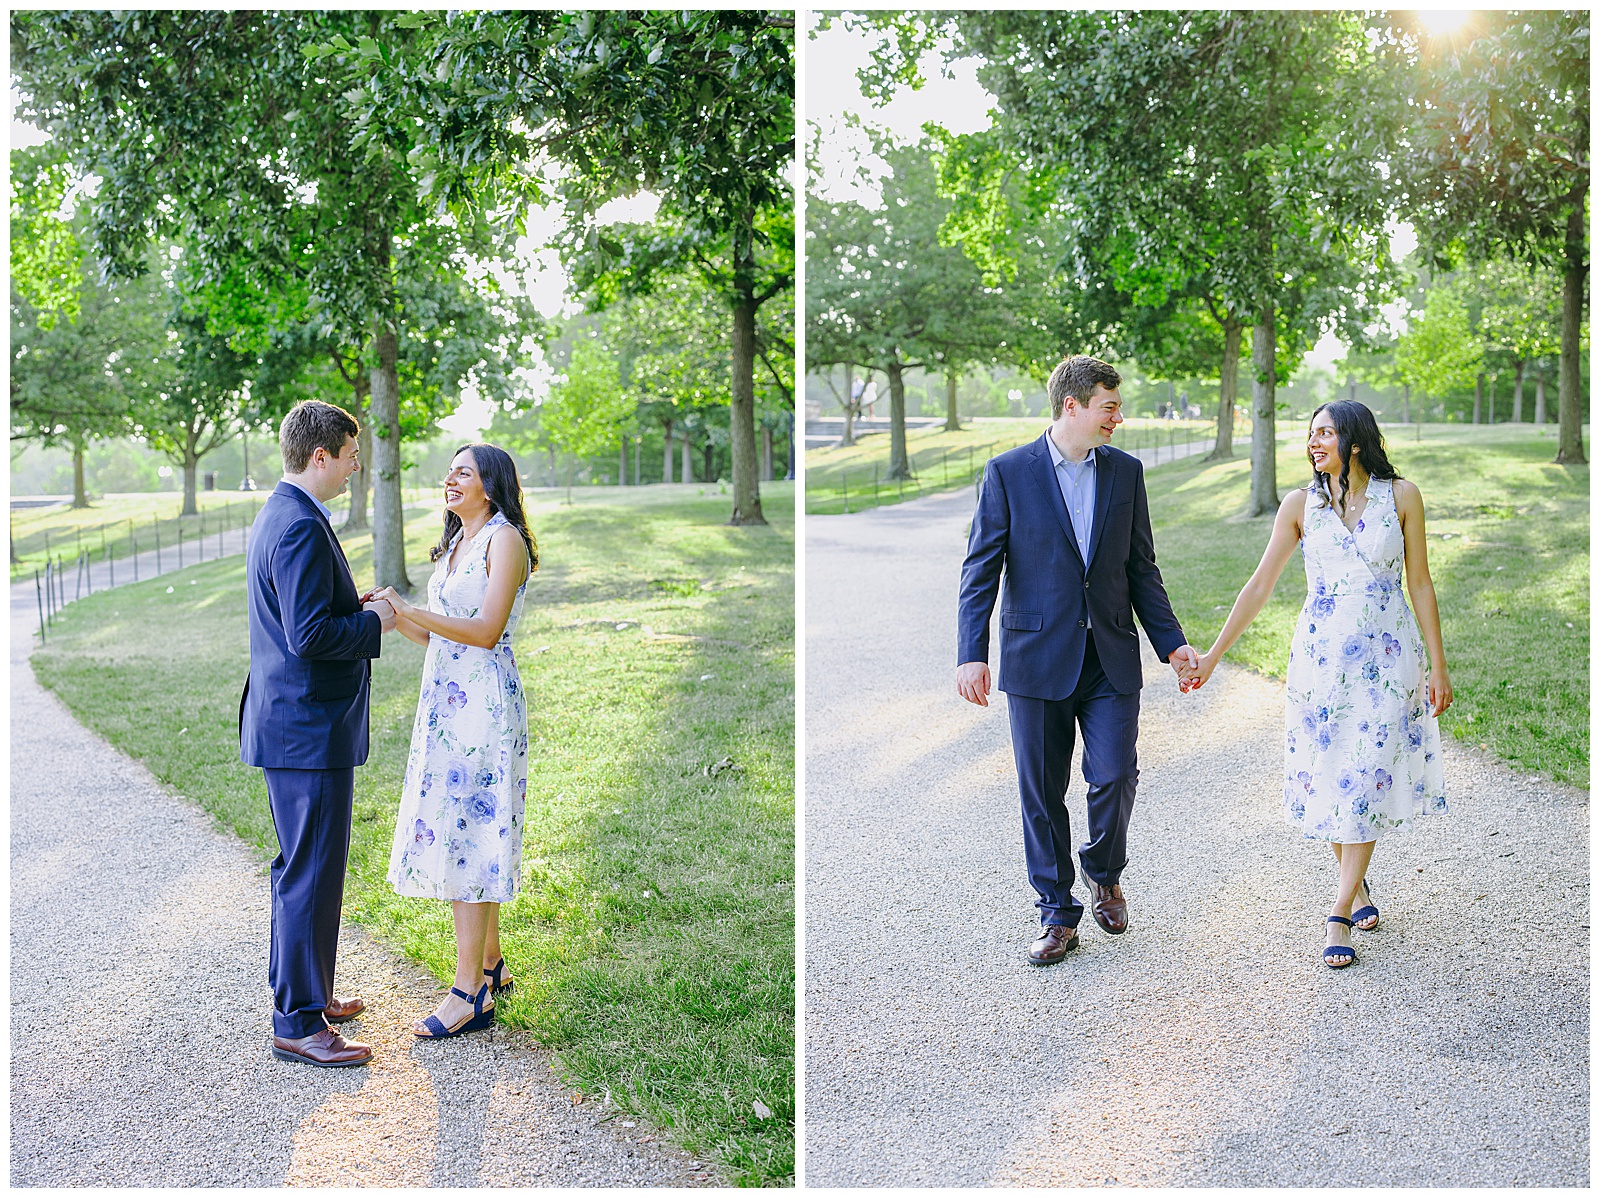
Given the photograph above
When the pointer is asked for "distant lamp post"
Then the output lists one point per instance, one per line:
(789, 477)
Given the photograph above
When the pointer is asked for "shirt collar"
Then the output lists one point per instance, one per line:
(1058, 458)
(321, 507)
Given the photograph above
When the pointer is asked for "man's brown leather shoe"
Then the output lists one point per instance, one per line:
(327, 1048)
(1054, 943)
(341, 1010)
(1110, 908)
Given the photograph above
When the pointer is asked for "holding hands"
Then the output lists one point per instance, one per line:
(371, 601)
(393, 598)
(1185, 664)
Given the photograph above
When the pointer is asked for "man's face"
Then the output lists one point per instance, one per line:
(1099, 415)
(337, 471)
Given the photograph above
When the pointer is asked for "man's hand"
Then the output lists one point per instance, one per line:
(972, 682)
(1186, 665)
(385, 612)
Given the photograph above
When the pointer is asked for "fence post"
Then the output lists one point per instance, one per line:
(38, 593)
(49, 595)
(61, 580)
(111, 570)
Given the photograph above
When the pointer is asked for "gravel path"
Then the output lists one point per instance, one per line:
(1208, 1045)
(141, 1018)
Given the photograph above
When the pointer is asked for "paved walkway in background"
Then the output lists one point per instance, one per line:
(141, 1018)
(1208, 1045)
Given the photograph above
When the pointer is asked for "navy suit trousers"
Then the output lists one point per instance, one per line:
(1042, 737)
(311, 811)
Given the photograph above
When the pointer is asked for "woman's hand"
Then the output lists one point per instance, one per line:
(1208, 663)
(1440, 694)
(394, 599)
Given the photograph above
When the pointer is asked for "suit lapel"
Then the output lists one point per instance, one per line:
(1105, 481)
(1044, 471)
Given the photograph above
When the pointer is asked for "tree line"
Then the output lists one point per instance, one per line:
(275, 205)
(1188, 188)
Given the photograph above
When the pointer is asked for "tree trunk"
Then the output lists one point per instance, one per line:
(766, 453)
(1571, 407)
(1540, 415)
(1405, 404)
(80, 494)
(899, 465)
(356, 521)
(666, 451)
(1264, 397)
(849, 437)
(571, 461)
(742, 417)
(1477, 400)
(191, 467)
(708, 460)
(622, 462)
(388, 525)
(1516, 395)
(1494, 377)
(952, 421)
(1232, 337)
(684, 460)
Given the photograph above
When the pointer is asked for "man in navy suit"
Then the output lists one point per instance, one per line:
(1066, 521)
(303, 720)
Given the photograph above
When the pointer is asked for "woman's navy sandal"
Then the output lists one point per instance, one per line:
(478, 1020)
(1343, 955)
(496, 986)
(1367, 912)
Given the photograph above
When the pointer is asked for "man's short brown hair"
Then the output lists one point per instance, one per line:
(309, 424)
(1077, 376)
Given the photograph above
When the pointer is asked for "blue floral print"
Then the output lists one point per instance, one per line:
(471, 731)
(1361, 745)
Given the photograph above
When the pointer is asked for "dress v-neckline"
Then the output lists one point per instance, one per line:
(450, 564)
(1360, 516)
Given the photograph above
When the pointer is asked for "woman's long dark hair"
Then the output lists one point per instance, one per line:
(1357, 428)
(504, 491)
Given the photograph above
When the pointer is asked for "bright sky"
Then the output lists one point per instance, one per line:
(833, 57)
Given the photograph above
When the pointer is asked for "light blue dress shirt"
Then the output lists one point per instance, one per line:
(1077, 483)
(321, 507)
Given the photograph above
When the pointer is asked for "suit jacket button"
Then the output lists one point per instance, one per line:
(1080, 624)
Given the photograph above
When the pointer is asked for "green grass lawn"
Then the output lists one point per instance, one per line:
(654, 935)
(1508, 548)
(853, 477)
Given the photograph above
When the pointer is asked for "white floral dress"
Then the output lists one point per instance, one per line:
(459, 832)
(1362, 743)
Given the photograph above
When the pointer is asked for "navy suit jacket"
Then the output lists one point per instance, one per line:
(1022, 528)
(305, 702)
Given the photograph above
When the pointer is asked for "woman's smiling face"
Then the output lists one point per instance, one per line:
(463, 487)
(1322, 444)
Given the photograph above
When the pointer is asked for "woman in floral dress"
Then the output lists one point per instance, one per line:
(459, 832)
(1361, 731)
